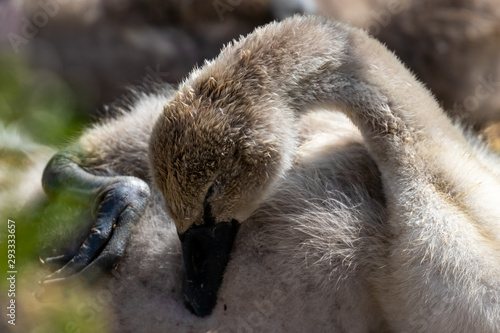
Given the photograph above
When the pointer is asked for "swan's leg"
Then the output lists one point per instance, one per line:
(108, 167)
(118, 203)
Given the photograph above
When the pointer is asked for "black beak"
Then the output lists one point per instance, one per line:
(205, 249)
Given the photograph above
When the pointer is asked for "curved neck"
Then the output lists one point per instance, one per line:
(308, 62)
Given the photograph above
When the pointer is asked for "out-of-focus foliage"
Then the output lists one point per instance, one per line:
(72, 308)
(38, 103)
(38, 112)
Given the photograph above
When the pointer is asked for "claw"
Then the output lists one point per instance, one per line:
(108, 258)
(119, 203)
(55, 263)
(113, 216)
(88, 265)
(47, 290)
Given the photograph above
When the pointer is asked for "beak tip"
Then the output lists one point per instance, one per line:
(196, 310)
(201, 305)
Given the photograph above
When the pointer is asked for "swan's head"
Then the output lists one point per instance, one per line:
(214, 161)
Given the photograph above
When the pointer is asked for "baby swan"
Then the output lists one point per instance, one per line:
(228, 136)
(216, 153)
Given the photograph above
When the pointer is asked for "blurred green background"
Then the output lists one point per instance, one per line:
(38, 114)
(38, 103)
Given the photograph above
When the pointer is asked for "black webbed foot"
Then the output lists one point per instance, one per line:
(118, 204)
